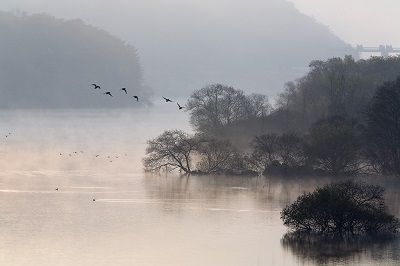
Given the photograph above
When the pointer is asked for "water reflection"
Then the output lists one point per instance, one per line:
(140, 219)
(319, 250)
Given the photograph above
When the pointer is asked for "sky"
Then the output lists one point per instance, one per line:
(368, 22)
(170, 35)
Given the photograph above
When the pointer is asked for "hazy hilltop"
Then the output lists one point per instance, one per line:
(49, 62)
(255, 45)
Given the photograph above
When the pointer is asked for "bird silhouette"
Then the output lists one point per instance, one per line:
(56, 189)
(97, 155)
(136, 97)
(94, 199)
(167, 100)
(180, 107)
(108, 93)
(124, 89)
(96, 86)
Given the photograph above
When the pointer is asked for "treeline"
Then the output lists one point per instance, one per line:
(332, 134)
(335, 87)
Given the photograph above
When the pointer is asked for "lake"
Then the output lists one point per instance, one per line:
(106, 211)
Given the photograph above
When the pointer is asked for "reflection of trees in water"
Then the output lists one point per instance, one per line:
(259, 192)
(311, 248)
(262, 193)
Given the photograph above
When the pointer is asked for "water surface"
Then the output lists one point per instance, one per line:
(139, 219)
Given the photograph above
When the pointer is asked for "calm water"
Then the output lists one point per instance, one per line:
(139, 219)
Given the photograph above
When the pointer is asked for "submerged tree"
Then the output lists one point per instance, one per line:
(343, 209)
(383, 129)
(216, 156)
(171, 150)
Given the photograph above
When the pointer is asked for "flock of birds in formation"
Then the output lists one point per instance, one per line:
(108, 93)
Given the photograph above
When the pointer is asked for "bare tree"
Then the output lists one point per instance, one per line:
(216, 156)
(265, 148)
(216, 106)
(258, 105)
(171, 150)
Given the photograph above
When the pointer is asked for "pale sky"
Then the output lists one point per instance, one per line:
(368, 22)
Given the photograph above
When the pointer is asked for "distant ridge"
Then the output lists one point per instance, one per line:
(51, 63)
(255, 45)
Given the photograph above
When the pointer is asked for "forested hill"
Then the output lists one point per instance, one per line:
(51, 63)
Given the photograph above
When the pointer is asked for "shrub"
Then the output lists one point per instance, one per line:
(344, 208)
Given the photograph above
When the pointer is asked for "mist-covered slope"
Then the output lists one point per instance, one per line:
(254, 45)
(47, 62)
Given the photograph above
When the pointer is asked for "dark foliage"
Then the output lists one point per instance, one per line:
(338, 87)
(341, 209)
(383, 129)
(334, 146)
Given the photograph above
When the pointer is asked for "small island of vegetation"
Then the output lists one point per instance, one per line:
(343, 209)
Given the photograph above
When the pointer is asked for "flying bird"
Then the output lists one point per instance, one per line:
(136, 97)
(96, 86)
(167, 100)
(180, 107)
(56, 189)
(97, 155)
(124, 89)
(108, 93)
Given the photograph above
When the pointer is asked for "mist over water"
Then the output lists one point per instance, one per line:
(39, 136)
(139, 219)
